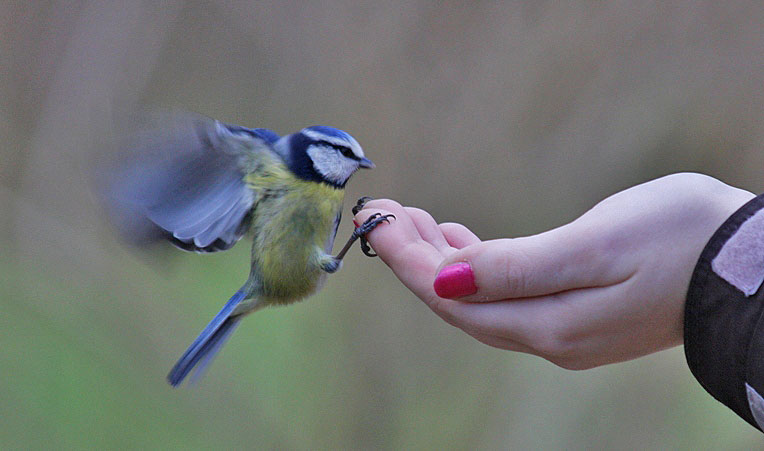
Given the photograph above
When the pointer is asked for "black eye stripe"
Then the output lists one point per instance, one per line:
(342, 149)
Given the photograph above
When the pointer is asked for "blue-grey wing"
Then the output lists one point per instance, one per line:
(266, 135)
(184, 181)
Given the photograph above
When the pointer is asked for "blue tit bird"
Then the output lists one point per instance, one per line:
(203, 185)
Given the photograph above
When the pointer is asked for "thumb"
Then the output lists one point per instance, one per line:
(547, 263)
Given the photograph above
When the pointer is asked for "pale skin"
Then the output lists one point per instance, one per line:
(608, 287)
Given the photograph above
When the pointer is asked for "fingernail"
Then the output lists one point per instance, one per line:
(355, 223)
(455, 281)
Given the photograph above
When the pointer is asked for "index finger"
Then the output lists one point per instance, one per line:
(400, 245)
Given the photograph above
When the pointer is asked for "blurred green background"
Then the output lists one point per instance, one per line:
(511, 118)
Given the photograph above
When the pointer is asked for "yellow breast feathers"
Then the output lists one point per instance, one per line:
(293, 221)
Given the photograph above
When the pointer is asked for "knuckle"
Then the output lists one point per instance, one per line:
(557, 344)
(562, 347)
(514, 275)
(688, 179)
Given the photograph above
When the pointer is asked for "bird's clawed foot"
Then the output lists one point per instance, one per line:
(370, 224)
(360, 204)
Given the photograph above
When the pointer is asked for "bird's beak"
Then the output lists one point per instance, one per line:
(366, 163)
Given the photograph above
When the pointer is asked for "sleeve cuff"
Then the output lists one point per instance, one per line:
(723, 330)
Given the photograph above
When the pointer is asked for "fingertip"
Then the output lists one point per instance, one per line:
(390, 236)
(428, 228)
(463, 255)
(383, 204)
(367, 212)
(474, 273)
(455, 281)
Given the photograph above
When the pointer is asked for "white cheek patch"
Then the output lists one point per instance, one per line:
(331, 165)
(741, 261)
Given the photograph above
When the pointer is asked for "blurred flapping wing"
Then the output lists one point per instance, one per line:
(184, 180)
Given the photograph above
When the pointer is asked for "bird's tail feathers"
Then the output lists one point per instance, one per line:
(211, 348)
(202, 351)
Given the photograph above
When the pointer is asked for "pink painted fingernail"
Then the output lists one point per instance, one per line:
(455, 281)
(355, 223)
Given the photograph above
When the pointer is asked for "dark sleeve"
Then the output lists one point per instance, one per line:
(723, 325)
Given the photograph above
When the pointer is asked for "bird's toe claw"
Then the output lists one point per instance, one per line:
(370, 224)
(360, 204)
(366, 249)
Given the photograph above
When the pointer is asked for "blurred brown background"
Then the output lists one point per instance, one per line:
(511, 118)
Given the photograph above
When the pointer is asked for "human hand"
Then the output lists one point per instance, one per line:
(607, 287)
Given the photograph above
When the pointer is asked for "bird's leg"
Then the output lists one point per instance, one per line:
(358, 207)
(370, 224)
(360, 232)
(330, 263)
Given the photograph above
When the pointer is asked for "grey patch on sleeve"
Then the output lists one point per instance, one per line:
(741, 260)
(756, 403)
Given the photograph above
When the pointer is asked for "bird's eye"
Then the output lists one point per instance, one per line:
(346, 152)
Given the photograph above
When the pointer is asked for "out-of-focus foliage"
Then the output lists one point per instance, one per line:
(511, 118)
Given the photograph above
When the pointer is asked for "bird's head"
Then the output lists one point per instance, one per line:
(325, 154)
